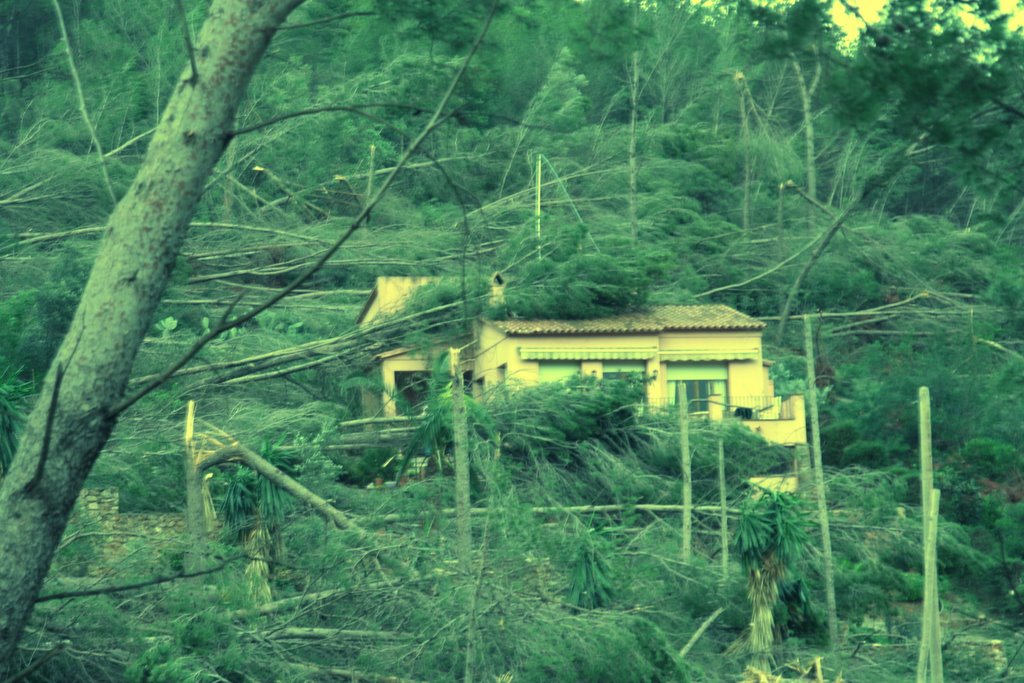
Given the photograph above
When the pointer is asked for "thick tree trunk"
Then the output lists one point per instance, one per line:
(86, 384)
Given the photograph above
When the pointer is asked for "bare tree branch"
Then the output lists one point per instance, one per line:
(351, 108)
(335, 17)
(274, 475)
(194, 78)
(131, 141)
(34, 666)
(81, 100)
(156, 580)
(435, 120)
(887, 173)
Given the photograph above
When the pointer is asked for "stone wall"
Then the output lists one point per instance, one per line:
(107, 534)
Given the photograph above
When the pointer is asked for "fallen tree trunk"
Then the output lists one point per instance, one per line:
(311, 633)
(305, 598)
(264, 468)
(545, 510)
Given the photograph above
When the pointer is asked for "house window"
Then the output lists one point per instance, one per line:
(502, 373)
(624, 369)
(698, 393)
(410, 390)
(702, 381)
(557, 370)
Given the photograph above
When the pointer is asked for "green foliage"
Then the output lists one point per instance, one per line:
(551, 421)
(582, 286)
(991, 458)
(444, 305)
(166, 326)
(204, 648)
(251, 500)
(13, 403)
(947, 224)
(591, 585)
(772, 526)
(433, 435)
(1007, 293)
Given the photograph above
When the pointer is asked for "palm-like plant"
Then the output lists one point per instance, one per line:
(253, 510)
(770, 539)
(13, 393)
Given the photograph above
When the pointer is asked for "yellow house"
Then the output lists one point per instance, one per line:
(709, 354)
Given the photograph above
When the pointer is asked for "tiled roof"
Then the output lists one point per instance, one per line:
(654, 319)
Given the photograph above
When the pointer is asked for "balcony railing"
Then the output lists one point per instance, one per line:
(761, 407)
(743, 407)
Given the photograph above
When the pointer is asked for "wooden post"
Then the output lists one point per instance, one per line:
(929, 655)
(685, 467)
(537, 206)
(460, 432)
(929, 658)
(195, 519)
(819, 486)
(932, 582)
(723, 519)
(924, 413)
(924, 429)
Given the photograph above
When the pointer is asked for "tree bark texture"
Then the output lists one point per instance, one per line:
(85, 386)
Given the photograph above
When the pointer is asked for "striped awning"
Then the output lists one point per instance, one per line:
(699, 355)
(587, 353)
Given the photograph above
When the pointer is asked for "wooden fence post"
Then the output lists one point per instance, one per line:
(195, 517)
(932, 583)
